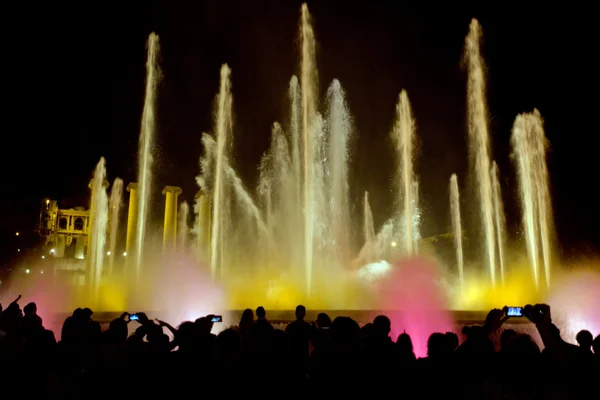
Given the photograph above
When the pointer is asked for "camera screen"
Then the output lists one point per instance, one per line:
(515, 312)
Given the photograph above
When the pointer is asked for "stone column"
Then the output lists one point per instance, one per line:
(132, 217)
(170, 229)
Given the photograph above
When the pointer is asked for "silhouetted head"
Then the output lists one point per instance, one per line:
(247, 317)
(404, 343)
(382, 326)
(596, 345)
(437, 345)
(204, 325)
(506, 337)
(522, 346)
(261, 313)
(451, 341)
(185, 335)
(345, 329)
(30, 309)
(323, 320)
(366, 331)
(118, 329)
(585, 339)
(300, 312)
(87, 313)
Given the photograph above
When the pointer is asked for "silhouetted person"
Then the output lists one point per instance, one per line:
(451, 341)
(261, 325)
(379, 350)
(245, 327)
(506, 337)
(300, 333)
(323, 330)
(585, 339)
(404, 350)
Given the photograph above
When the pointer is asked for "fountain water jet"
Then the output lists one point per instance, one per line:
(147, 133)
(499, 218)
(479, 142)
(529, 145)
(308, 84)
(457, 227)
(339, 128)
(403, 135)
(97, 229)
(223, 134)
(114, 205)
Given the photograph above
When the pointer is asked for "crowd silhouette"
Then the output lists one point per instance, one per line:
(321, 358)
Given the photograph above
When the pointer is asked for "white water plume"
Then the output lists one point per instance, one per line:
(529, 145)
(457, 227)
(97, 228)
(499, 218)
(479, 141)
(146, 142)
(404, 137)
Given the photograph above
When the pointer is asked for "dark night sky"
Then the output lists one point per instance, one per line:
(75, 81)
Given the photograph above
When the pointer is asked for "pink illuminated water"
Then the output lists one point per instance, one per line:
(414, 302)
(574, 302)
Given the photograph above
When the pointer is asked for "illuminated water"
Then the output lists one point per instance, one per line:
(529, 146)
(310, 137)
(146, 142)
(223, 134)
(479, 141)
(457, 228)
(114, 206)
(290, 242)
(499, 218)
(403, 135)
(97, 228)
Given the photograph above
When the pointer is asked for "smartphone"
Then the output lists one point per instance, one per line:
(217, 318)
(514, 312)
(134, 317)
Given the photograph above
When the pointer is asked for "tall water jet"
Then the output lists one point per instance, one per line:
(223, 134)
(308, 84)
(114, 206)
(182, 226)
(339, 131)
(479, 142)
(97, 228)
(295, 142)
(457, 227)
(403, 135)
(529, 145)
(499, 218)
(147, 131)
